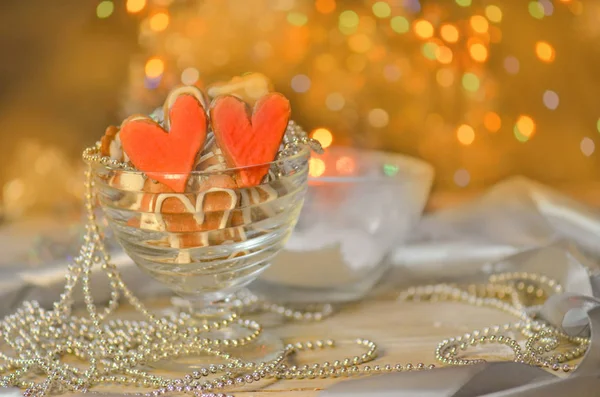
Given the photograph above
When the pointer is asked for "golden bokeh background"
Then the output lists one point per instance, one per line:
(482, 89)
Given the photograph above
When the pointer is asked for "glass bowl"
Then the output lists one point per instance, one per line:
(209, 241)
(359, 206)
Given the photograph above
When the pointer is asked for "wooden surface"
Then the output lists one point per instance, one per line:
(406, 332)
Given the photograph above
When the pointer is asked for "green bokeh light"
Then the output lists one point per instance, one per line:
(349, 19)
(470, 82)
(429, 50)
(520, 137)
(536, 9)
(348, 22)
(493, 13)
(105, 9)
(390, 169)
(400, 24)
(381, 9)
(297, 18)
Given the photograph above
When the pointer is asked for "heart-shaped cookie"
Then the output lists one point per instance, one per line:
(167, 157)
(179, 91)
(250, 139)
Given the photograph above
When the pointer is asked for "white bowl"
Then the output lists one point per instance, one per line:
(361, 205)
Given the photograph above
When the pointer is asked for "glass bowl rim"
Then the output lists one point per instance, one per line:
(303, 152)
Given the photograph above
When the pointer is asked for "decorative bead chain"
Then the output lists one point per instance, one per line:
(295, 137)
(92, 155)
(248, 302)
(495, 296)
(116, 350)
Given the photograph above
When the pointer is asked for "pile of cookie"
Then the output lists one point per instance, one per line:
(200, 167)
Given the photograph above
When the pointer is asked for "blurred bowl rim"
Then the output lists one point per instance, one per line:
(409, 165)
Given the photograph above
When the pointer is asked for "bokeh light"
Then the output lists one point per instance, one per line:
(463, 3)
(444, 54)
(134, 6)
(335, 101)
(316, 167)
(495, 34)
(348, 21)
(465, 134)
(492, 121)
(430, 50)
(13, 190)
(470, 82)
(159, 21)
(392, 72)
(478, 52)
(152, 83)
(381, 9)
(400, 24)
(345, 165)
(324, 136)
(550, 99)
(512, 65)
(547, 6)
(190, 76)
(493, 13)
(325, 6)
(524, 128)
(536, 9)
(445, 77)
(297, 18)
(423, 29)
(155, 67)
(587, 146)
(479, 24)
(462, 177)
(412, 5)
(105, 9)
(544, 51)
(390, 169)
(300, 83)
(378, 118)
(449, 33)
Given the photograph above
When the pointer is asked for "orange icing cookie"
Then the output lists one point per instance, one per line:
(167, 157)
(249, 140)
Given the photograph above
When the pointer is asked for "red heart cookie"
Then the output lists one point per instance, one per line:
(250, 139)
(167, 157)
